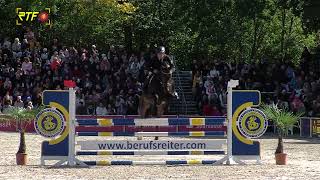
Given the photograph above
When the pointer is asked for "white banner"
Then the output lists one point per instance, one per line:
(152, 145)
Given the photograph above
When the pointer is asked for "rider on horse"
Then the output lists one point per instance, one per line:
(160, 69)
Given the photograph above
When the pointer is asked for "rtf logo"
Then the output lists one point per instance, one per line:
(30, 16)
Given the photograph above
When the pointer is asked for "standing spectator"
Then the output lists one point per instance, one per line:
(27, 66)
(16, 48)
(134, 66)
(197, 79)
(55, 64)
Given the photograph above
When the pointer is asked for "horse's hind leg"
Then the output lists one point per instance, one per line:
(142, 111)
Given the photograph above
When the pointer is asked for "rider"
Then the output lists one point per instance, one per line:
(154, 68)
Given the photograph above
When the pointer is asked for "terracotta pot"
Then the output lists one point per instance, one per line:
(21, 158)
(281, 158)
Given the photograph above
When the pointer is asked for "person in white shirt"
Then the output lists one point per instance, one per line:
(19, 102)
(16, 48)
(101, 109)
(214, 72)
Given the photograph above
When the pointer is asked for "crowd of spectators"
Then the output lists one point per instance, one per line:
(296, 88)
(107, 82)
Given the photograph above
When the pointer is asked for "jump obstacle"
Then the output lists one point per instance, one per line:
(239, 147)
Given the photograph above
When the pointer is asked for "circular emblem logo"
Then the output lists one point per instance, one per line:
(252, 123)
(49, 123)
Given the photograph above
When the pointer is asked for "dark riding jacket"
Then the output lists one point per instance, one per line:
(156, 63)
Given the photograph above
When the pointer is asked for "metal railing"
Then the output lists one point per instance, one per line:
(178, 86)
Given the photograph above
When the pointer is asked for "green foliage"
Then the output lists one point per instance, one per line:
(21, 115)
(231, 30)
(282, 118)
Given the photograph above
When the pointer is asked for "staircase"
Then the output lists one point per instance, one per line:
(185, 105)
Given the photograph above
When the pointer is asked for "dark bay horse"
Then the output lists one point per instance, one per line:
(154, 99)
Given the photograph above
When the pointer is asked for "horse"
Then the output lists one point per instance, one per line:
(154, 99)
(157, 93)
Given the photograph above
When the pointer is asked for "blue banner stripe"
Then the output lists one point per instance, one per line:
(90, 163)
(215, 121)
(178, 152)
(176, 162)
(123, 153)
(215, 133)
(178, 121)
(88, 133)
(85, 122)
(121, 121)
(123, 133)
(86, 153)
(121, 162)
(208, 161)
(213, 152)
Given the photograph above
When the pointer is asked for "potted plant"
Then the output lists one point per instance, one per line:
(283, 120)
(22, 117)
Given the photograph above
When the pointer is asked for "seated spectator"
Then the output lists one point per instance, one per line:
(19, 102)
(30, 105)
(7, 85)
(215, 111)
(111, 110)
(101, 110)
(297, 104)
(6, 106)
(214, 72)
(81, 109)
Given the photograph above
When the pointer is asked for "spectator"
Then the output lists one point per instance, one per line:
(101, 110)
(19, 102)
(55, 64)
(16, 48)
(27, 66)
(29, 105)
(81, 109)
(110, 110)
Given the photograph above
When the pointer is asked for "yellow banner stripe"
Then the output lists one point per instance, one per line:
(196, 152)
(103, 163)
(194, 161)
(197, 121)
(105, 134)
(197, 133)
(105, 122)
(104, 153)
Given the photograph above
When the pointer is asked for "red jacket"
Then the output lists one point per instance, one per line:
(55, 65)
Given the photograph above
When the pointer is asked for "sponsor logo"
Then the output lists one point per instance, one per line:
(252, 123)
(49, 123)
